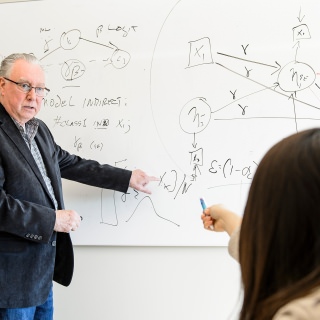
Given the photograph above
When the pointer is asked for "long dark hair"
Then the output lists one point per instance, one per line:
(279, 248)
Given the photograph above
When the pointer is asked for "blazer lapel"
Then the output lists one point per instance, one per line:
(50, 168)
(11, 130)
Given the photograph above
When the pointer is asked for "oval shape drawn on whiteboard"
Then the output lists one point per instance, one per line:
(120, 59)
(72, 69)
(69, 40)
(296, 76)
(195, 115)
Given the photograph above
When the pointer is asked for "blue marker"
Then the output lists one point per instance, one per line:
(203, 204)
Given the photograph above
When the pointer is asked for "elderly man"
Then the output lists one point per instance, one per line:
(35, 245)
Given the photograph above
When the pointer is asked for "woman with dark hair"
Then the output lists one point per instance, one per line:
(277, 242)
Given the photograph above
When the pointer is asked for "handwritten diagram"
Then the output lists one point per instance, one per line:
(233, 92)
(193, 92)
(71, 71)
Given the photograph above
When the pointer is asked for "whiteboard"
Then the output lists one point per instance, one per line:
(191, 91)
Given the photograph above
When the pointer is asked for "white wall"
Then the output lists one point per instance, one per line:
(150, 283)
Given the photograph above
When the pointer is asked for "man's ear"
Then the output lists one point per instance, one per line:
(2, 84)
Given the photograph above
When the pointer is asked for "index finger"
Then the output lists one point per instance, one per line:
(152, 178)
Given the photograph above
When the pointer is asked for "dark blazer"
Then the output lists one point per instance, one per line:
(31, 253)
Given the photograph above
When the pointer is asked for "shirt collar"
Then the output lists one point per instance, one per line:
(30, 128)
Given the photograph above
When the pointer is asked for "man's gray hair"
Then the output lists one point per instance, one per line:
(8, 62)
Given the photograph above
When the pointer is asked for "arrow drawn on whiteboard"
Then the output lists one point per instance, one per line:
(155, 211)
(69, 40)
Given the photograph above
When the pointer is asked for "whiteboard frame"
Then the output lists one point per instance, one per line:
(7, 1)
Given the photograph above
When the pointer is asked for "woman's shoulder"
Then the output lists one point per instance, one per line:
(305, 308)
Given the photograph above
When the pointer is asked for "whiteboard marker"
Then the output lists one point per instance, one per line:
(203, 204)
(204, 207)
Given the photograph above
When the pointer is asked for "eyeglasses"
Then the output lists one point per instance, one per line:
(26, 88)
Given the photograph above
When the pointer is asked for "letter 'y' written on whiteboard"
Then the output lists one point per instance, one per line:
(191, 91)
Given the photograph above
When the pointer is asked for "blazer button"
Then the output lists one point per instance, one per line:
(53, 243)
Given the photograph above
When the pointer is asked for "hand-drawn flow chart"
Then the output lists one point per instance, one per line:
(200, 91)
(73, 69)
(235, 91)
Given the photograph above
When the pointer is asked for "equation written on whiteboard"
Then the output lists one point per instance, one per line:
(102, 123)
